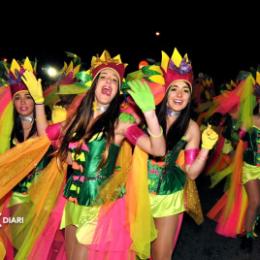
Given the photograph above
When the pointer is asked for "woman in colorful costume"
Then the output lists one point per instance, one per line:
(251, 180)
(168, 175)
(21, 119)
(91, 144)
(251, 174)
(235, 212)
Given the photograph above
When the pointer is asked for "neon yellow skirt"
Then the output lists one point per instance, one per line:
(77, 215)
(167, 205)
(250, 172)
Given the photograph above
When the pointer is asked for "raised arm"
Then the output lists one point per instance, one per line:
(195, 159)
(35, 88)
(154, 143)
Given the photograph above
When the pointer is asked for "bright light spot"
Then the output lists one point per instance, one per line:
(157, 33)
(51, 71)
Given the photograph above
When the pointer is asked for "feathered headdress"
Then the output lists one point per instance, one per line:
(153, 76)
(72, 81)
(15, 73)
(106, 61)
(176, 68)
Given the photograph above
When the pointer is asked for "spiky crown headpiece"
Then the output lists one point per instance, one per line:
(68, 73)
(69, 83)
(15, 73)
(106, 61)
(176, 68)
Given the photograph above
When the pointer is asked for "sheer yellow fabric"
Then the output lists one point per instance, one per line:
(3, 232)
(247, 102)
(19, 161)
(2, 249)
(142, 227)
(112, 188)
(43, 197)
(6, 126)
(235, 177)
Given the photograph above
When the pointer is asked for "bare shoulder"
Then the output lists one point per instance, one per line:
(193, 127)
(193, 134)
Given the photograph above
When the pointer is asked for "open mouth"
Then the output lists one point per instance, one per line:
(106, 90)
(177, 102)
(23, 109)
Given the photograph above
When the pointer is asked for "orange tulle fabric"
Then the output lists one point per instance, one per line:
(19, 161)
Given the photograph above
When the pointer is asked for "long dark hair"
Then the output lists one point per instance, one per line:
(18, 132)
(80, 130)
(178, 128)
(256, 109)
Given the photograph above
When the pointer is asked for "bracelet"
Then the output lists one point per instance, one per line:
(155, 136)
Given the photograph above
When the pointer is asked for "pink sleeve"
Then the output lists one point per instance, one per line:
(190, 155)
(54, 132)
(133, 133)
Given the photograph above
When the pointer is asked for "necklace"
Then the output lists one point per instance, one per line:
(29, 119)
(98, 107)
(172, 113)
(102, 108)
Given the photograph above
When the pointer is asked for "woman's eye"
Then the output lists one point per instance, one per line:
(115, 80)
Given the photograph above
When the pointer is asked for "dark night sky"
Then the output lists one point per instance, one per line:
(219, 41)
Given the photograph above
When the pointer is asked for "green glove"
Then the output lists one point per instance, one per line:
(142, 95)
(209, 138)
(34, 86)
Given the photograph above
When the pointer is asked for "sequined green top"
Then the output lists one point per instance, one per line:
(84, 182)
(165, 176)
(252, 153)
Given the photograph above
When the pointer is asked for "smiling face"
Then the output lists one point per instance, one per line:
(23, 103)
(107, 86)
(179, 95)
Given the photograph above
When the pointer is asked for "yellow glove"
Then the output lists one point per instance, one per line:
(58, 114)
(34, 86)
(209, 138)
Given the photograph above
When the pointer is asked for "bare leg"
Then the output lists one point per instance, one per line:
(79, 252)
(162, 247)
(253, 193)
(70, 240)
